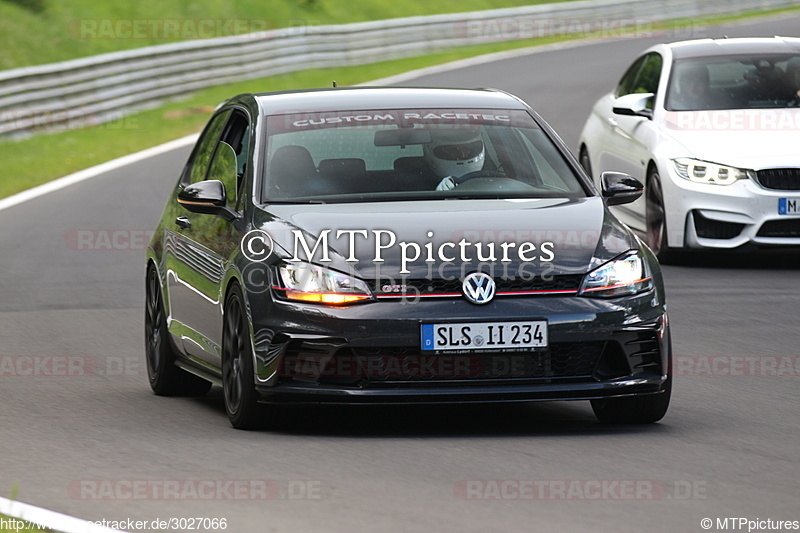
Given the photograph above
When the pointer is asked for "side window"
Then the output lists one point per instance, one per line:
(649, 75)
(201, 157)
(626, 83)
(237, 135)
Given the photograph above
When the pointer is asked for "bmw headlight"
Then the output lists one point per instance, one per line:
(311, 283)
(705, 172)
(623, 276)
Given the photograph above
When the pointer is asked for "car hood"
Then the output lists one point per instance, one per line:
(582, 232)
(750, 138)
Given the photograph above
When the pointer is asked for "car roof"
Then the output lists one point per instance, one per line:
(361, 98)
(722, 47)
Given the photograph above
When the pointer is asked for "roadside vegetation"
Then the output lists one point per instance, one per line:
(37, 160)
(34, 32)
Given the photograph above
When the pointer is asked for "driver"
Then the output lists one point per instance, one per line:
(693, 87)
(452, 154)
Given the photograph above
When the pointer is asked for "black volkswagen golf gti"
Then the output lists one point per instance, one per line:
(394, 245)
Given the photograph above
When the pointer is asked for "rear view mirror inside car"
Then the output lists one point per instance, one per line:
(402, 137)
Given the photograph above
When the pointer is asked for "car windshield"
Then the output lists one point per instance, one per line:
(412, 154)
(735, 82)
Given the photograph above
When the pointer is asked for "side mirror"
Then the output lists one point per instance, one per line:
(634, 105)
(209, 197)
(206, 197)
(619, 188)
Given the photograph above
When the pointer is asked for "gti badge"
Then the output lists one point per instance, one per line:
(478, 288)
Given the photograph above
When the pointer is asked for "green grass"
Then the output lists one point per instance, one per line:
(30, 162)
(34, 161)
(34, 32)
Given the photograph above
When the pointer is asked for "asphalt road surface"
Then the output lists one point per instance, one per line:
(81, 433)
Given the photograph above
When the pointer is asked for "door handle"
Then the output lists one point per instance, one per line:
(183, 222)
(612, 122)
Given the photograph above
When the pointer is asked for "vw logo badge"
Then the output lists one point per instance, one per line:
(478, 288)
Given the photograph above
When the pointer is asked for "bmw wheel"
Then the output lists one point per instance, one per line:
(166, 379)
(585, 163)
(655, 217)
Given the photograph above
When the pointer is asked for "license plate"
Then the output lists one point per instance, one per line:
(497, 336)
(788, 206)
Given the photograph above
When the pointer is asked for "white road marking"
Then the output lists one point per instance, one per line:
(93, 172)
(50, 519)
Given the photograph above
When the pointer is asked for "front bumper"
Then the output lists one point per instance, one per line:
(726, 216)
(371, 353)
(298, 393)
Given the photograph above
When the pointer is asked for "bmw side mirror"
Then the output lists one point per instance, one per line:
(206, 197)
(619, 188)
(634, 105)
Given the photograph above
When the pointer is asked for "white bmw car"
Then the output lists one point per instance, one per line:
(712, 127)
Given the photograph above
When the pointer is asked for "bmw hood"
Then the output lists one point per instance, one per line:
(744, 138)
(422, 239)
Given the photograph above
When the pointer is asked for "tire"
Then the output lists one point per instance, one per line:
(166, 379)
(655, 218)
(238, 384)
(642, 409)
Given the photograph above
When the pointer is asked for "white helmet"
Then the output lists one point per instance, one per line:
(455, 152)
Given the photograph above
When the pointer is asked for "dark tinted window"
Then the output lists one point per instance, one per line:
(649, 75)
(643, 76)
(237, 135)
(625, 85)
(204, 150)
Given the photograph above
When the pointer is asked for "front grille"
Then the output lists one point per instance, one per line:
(780, 228)
(452, 287)
(385, 365)
(781, 179)
(715, 229)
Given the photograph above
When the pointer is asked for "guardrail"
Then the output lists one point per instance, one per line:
(105, 87)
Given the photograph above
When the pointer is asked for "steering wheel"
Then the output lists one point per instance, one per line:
(478, 174)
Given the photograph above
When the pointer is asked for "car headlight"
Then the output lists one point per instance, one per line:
(315, 284)
(705, 172)
(620, 277)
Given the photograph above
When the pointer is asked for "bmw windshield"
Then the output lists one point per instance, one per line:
(752, 81)
(412, 154)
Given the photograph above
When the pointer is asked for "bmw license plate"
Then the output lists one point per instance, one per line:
(495, 336)
(789, 206)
